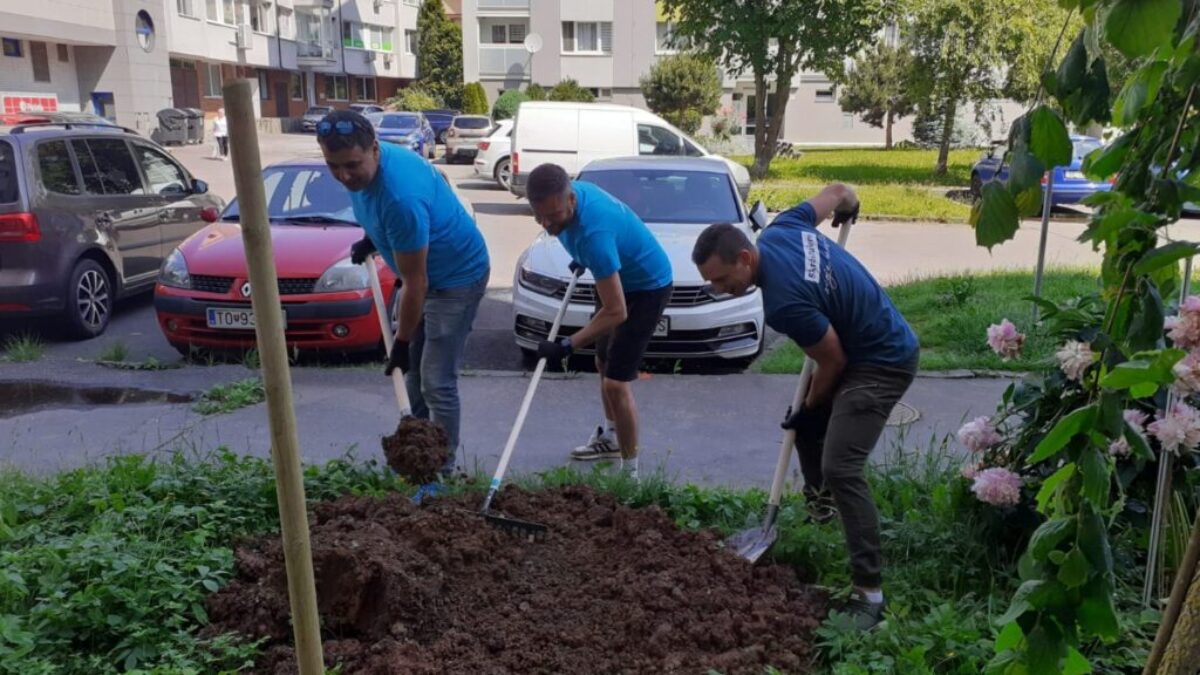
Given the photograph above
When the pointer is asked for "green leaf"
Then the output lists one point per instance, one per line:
(1164, 255)
(1095, 471)
(1046, 650)
(995, 217)
(1050, 484)
(1071, 71)
(1105, 161)
(1076, 664)
(1024, 171)
(210, 585)
(1048, 536)
(1010, 637)
(1020, 601)
(1096, 613)
(1066, 429)
(1146, 370)
(1138, 27)
(1093, 539)
(1048, 138)
(1073, 572)
(1006, 663)
(1146, 324)
(1139, 92)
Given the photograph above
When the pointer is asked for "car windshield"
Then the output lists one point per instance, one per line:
(396, 121)
(8, 174)
(472, 122)
(669, 196)
(318, 111)
(304, 193)
(1085, 146)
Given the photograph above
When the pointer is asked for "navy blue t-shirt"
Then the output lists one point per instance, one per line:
(809, 282)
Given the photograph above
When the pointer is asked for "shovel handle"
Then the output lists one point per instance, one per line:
(389, 340)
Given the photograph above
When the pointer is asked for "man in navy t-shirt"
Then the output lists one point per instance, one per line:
(633, 285)
(866, 356)
(415, 221)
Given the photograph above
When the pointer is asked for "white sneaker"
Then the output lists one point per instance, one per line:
(599, 446)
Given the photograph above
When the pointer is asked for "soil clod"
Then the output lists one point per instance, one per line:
(418, 450)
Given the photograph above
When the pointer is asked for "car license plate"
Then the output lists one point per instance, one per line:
(1074, 175)
(234, 318)
(663, 327)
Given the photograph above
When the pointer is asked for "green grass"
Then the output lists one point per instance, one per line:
(890, 183)
(115, 353)
(950, 316)
(225, 398)
(24, 348)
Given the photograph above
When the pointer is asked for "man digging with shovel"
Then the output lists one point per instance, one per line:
(865, 353)
(418, 225)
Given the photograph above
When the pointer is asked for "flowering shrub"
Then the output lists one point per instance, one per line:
(1005, 340)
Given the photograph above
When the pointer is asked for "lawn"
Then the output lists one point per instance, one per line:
(951, 314)
(890, 183)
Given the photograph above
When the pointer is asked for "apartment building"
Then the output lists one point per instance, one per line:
(608, 45)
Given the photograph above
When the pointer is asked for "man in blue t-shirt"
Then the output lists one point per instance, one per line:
(633, 284)
(865, 353)
(415, 221)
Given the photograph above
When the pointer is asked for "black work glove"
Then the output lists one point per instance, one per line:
(576, 268)
(841, 217)
(810, 424)
(398, 359)
(555, 351)
(361, 250)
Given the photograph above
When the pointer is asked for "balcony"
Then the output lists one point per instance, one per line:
(510, 62)
(314, 53)
(502, 5)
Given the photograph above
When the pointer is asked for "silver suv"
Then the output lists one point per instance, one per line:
(87, 213)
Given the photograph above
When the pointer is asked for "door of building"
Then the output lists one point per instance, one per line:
(281, 99)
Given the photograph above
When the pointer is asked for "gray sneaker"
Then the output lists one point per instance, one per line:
(865, 614)
(598, 447)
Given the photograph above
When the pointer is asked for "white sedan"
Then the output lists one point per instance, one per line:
(493, 158)
(677, 197)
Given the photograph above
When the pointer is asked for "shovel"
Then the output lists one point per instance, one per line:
(752, 543)
(513, 525)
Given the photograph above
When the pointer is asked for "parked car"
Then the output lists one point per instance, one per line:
(677, 197)
(86, 214)
(409, 129)
(202, 298)
(308, 122)
(574, 134)
(1070, 185)
(366, 108)
(493, 158)
(440, 120)
(463, 136)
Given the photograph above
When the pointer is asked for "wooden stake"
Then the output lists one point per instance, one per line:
(285, 444)
(1184, 579)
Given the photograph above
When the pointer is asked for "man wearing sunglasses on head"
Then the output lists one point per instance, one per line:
(416, 222)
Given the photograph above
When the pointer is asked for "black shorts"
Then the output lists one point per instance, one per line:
(619, 353)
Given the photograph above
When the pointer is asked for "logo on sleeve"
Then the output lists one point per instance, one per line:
(812, 257)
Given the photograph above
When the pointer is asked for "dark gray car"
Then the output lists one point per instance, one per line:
(308, 122)
(86, 215)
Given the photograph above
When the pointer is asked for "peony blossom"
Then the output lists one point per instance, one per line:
(1005, 339)
(978, 434)
(1074, 358)
(998, 487)
(969, 470)
(1136, 419)
(1187, 374)
(1184, 330)
(1178, 429)
(1119, 448)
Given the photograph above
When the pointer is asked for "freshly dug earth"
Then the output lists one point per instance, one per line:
(417, 450)
(434, 589)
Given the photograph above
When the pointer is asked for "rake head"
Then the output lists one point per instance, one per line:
(523, 529)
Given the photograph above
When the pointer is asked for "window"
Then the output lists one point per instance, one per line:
(286, 31)
(228, 12)
(212, 10)
(336, 88)
(601, 93)
(654, 140)
(666, 41)
(348, 36)
(64, 54)
(374, 36)
(185, 8)
(8, 174)
(107, 167)
(751, 124)
(825, 95)
(212, 80)
(259, 17)
(364, 88)
(511, 33)
(163, 176)
(499, 33)
(54, 163)
(586, 37)
(12, 47)
(41, 61)
(264, 85)
(297, 86)
(668, 196)
(516, 33)
(410, 42)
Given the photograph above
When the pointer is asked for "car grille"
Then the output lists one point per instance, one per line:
(222, 285)
(296, 286)
(681, 296)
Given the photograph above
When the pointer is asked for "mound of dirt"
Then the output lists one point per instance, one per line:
(434, 589)
(417, 450)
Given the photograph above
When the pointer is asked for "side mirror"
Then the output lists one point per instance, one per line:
(758, 216)
(199, 187)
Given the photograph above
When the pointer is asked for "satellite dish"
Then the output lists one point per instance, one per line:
(533, 43)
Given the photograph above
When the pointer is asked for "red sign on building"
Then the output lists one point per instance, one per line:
(18, 103)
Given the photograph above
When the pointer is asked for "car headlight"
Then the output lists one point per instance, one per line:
(342, 276)
(174, 271)
(541, 284)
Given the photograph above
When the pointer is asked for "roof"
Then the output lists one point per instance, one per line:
(299, 163)
(572, 105)
(662, 163)
(40, 130)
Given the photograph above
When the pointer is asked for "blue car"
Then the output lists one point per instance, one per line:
(1070, 185)
(440, 120)
(409, 129)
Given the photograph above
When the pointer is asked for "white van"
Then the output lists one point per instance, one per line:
(573, 134)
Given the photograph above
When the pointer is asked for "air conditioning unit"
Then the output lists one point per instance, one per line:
(245, 37)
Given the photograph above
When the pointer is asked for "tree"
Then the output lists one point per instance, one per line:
(414, 99)
(773, 40)
(877, 88)
(569, 90)
(474, 99)
(683, 89)
(506, 105)
(534, 92)
(439, 53)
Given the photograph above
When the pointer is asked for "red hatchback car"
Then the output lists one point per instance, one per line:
(202, 297)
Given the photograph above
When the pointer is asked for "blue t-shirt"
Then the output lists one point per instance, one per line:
(608, 238)
(409, 206)
(809, 282)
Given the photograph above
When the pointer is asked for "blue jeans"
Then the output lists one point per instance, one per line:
(436, 352)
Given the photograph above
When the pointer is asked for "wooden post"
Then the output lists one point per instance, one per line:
(1179, 625)
(285, 443)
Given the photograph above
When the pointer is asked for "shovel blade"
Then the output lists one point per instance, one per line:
(752, 543)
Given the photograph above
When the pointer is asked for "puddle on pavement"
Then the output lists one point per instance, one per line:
(20, 398)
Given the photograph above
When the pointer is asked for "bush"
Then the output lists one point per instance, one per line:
(414, 99)
(474, 100)
(506, 105)
(535, 92)
(683, 89)
(569, 90)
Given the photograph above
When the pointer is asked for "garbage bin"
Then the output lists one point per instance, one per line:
(195, 124)
(172, 126)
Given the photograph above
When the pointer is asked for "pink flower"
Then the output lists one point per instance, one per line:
(978, 434)
(1074, 358)
(1005, 340)
(1178, 429)
(969, 470)
(1184, 329)
(998, 487)
(1136, 419)
(1187, 374)
(1119, 448)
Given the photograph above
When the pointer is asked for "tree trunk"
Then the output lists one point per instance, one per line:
(887, 131)
(763, 153)
(1183, 651)
(1179, 632)
(947, 135)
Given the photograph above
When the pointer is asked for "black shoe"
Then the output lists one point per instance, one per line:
(864, 614)
(820, 505)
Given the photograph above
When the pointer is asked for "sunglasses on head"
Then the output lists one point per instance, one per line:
(342, 127)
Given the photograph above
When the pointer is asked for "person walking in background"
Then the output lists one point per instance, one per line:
(220, 131)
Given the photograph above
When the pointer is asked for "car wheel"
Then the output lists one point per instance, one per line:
(89, 300)
(503, 173)
(432, 148)
(976, 186)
